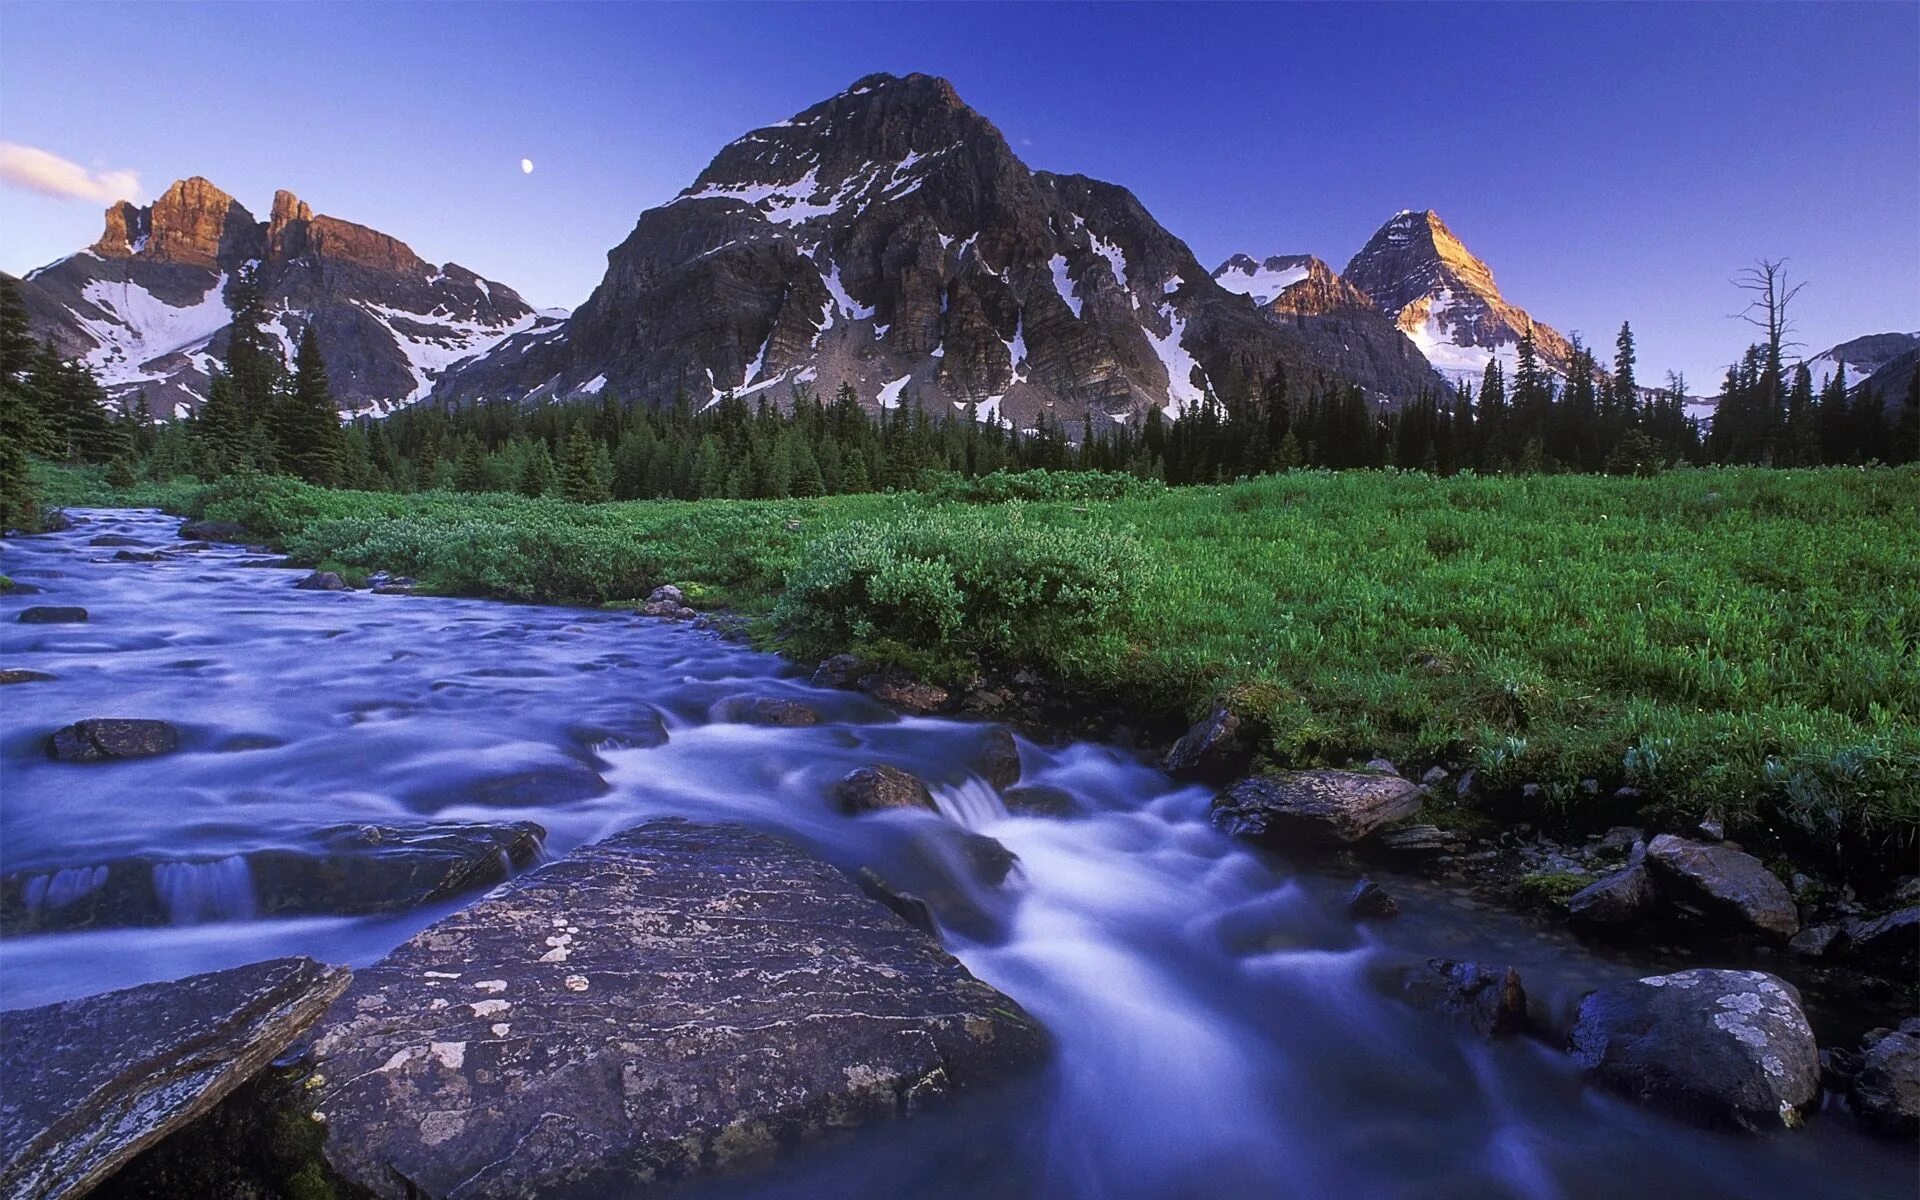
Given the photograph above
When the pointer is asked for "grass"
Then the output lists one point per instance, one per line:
(1744, 641)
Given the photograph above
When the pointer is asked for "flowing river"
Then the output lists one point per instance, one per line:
(1219, 1025)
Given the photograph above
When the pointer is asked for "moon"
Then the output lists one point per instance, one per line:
(526, 166)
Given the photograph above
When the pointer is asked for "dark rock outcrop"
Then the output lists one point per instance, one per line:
(202, 530)
(1368, 899)
(1619, 899)
(22, 675)
(1727, 883)
(1890, 941)
(105, 739)
(1720, 1047)
(904, 691)
(1314, 806)
(998, 759)
(870, 789)
(673, 1000)
(92, 1082)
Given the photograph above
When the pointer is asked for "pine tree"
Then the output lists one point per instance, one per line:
(536, 470)
(307, 434)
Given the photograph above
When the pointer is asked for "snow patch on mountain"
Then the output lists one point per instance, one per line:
(1264, 281)
(141, 327)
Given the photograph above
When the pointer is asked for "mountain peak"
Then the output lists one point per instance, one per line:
(1443, 296)
(193, 222)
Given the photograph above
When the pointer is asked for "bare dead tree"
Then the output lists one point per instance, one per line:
(1766, 282)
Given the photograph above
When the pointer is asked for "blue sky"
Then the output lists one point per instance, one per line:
(1612, 161)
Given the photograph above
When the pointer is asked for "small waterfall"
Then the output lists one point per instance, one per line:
(196, 892)
(971, 804)
(61, 888)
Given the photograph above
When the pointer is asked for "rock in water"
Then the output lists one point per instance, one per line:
(1720, 1047)
(998, 761)
(1327, 806)
(677, 998)
(1728, 883)
(92, 1082)
(768, 710)
(868, 789)
(1369, 899)
(1886, 1088)
(102, 739)
(215, 531)
(324, 581)
(53, 614)
(1486, 999)
(1211, 745)
(1617, 899)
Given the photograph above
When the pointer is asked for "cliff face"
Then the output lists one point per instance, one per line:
(888, 239)
(145, 306)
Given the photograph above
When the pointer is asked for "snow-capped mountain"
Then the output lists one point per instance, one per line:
(1862, 355)
(889, 239)
(1428, 283)
(146, 308)
(1337, 320)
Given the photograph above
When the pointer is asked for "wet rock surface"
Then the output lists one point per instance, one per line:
(215, 531)
(1719, 1047)
(1885, 1090)
(768, 710)
(675, 999)
(1314, 806)
(1621, 898)
(21, 675)
(1726, 882)
(52, 614)
(345, 870)
(324, 581)
(1212, 745)
(876, 787)
(1369, 900)
(90, 1083)
(999, 760)
(105, 739)
(904, 691)
(1486, 999)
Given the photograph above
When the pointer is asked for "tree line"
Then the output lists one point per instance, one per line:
(261, 416)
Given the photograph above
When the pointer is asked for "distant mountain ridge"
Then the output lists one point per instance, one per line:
(145, 305)
(889, 240)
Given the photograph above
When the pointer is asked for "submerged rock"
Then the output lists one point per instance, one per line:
(1726, 882)
(22, 675)
(53, 614)
(1486, 999)
(872, 788)
(673, 1000)
(1328, 806)
(1719, 1047)
(1886, 1087)
(767, 710)
(348, 870)
(1041, 800)
(92, 1082)
(104, 739)
(1212, 745)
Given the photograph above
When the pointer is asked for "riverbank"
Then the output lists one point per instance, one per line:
(1157, 951)
(1740, 646)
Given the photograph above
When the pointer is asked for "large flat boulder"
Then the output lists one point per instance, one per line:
(90, 1083)
(1728, 1048)
(1314, 806)
(1725, 882)
(674, 999)
(345, 870)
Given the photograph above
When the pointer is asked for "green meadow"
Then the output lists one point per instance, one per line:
(1739, 641)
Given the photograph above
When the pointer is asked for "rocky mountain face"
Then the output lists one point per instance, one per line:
(145, 306)
(1427, 282)
(888, 238)
(1348, 336)
(1863, 356)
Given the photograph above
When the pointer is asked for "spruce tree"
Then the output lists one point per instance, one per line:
(308, 432)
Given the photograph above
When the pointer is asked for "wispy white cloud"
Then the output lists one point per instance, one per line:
(37, 170)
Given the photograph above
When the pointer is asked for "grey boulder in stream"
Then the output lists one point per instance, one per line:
(90, 1083)
(674, 999)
